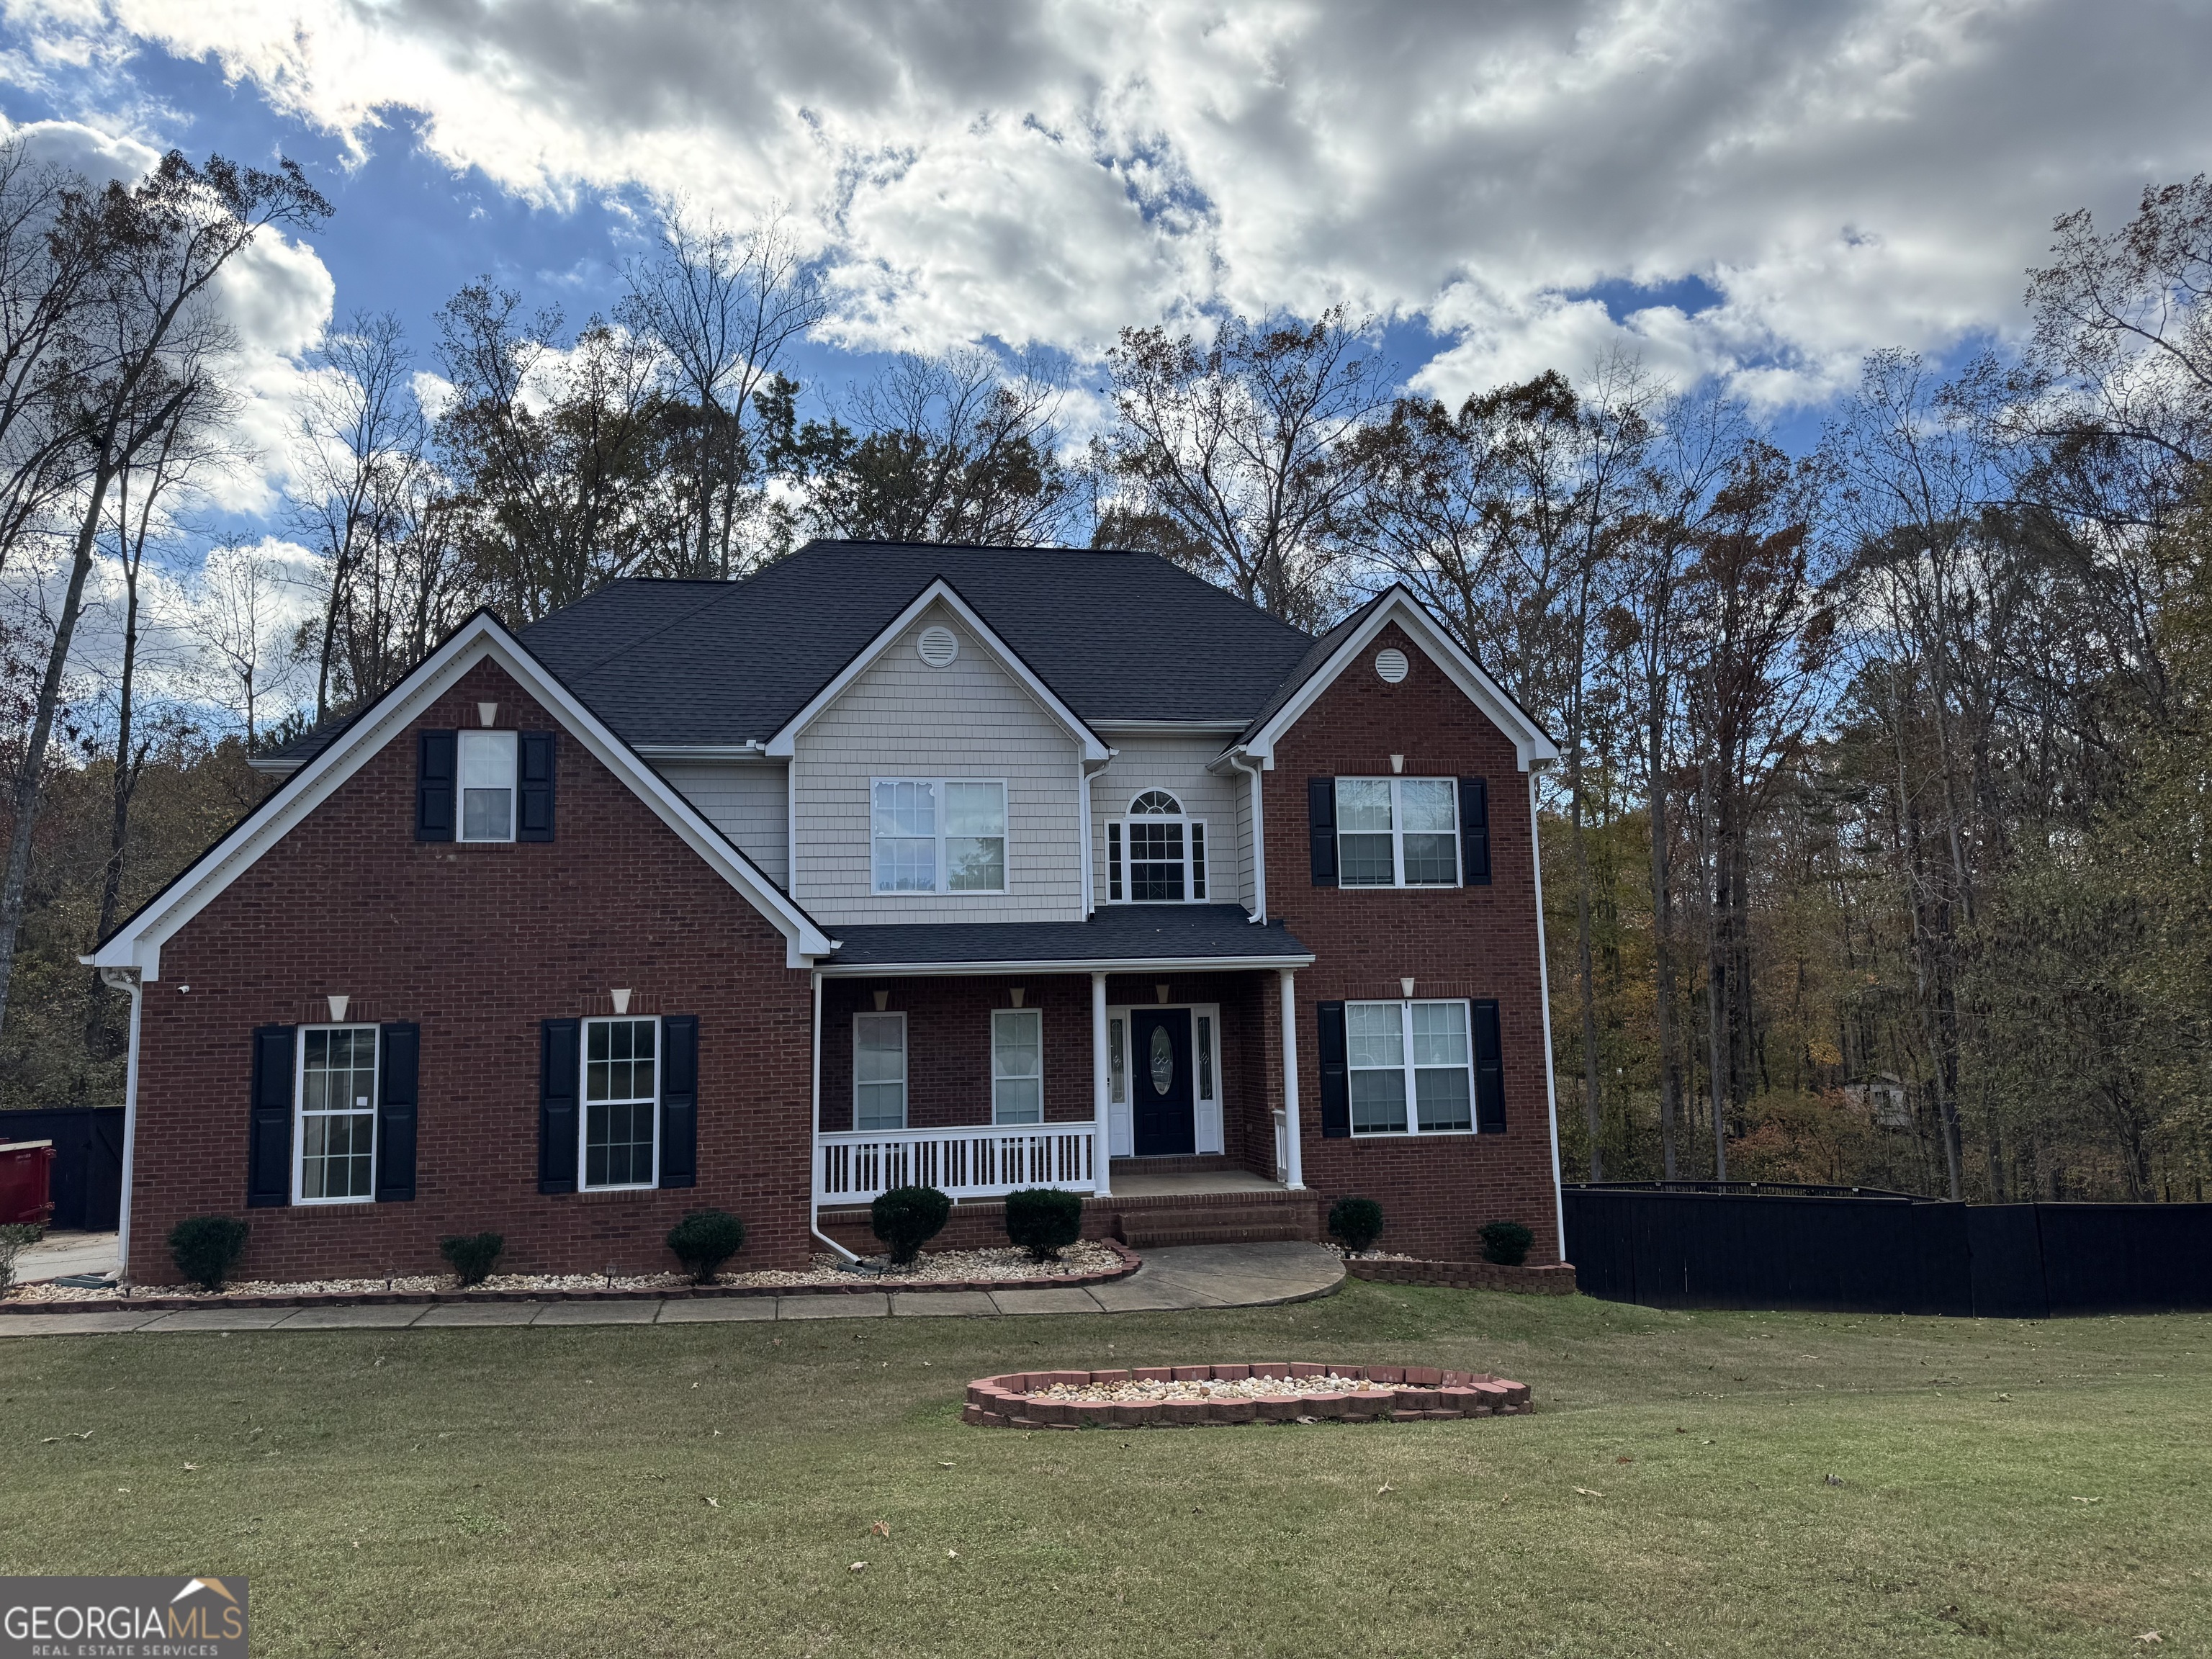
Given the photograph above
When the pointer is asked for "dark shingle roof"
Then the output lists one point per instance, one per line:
(1116, 635)
(1118, 933)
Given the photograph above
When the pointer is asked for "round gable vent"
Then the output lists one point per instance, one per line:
(939, 646)
(1390, 663)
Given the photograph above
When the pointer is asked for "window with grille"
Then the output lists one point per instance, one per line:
(1397, 832)
(1157, 854)
(1411, 1068)
(337, 1113)
(622, 1101)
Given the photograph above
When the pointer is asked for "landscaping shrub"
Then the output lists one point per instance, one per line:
(15, 1239)
(1355, 1223)
(1044, 1221)
(704, 1240)
(473, 1255)
(908, 1218)
(1506, 1243)
(205, 1248)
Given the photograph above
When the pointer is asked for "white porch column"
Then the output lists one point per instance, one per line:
(1102, 1156)
(1294, 1171)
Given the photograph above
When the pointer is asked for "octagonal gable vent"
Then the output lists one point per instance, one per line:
(1390, 663)
(939, 646)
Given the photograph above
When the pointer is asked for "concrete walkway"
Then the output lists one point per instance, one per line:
(1192, 1276)
(60, 1253)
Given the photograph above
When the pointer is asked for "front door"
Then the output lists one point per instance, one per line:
(1160, 1056)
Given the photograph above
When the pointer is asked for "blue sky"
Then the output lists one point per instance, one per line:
(1754, 194)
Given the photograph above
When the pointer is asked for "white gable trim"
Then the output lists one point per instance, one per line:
(1530, 743)
(138, 943)
(939, 591)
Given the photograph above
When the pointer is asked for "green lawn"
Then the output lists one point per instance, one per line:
(546, 1491)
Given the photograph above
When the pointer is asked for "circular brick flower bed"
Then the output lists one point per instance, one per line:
(1167, 1396)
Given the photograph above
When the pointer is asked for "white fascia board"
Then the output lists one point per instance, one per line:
(939, 591)
(1060, 965)
(138, 944)
(1194, 729)
(1530, 743)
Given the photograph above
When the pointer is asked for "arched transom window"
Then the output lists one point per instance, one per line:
(1156, 854)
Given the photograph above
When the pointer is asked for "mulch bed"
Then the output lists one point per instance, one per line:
(1172, 1396)
(165, 1301)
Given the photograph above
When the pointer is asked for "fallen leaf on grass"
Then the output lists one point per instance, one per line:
(189, 1467)
(942, 1464)
(2088, 1500)
(2150, 1636)
(714, 1503)
(858, 1566)
(1586, 1492)
(1833, 1479)
(1385, 1486)
(1624, 1460)
(879, 1529)
(953, 1555)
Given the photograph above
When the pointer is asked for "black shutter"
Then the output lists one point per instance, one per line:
(1474, 832)
(437, 781)
(680, 1101)
(533, 819)
(1320, 828)
(395, 1113)
(559, 1060)
(1335, 1081)
(269, 1124)
(1489, 1072)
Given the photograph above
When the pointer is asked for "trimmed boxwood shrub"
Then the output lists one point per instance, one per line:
(908, 1218)
(1044, 1221)
(205, 1248)
(704, 1240)
(1355, 1223)
(1506, 1243)
(473, 1255)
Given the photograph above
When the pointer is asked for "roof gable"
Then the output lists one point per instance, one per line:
(1343, 646)
(138, 942)
(938, 592)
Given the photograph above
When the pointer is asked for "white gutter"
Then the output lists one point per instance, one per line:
(1062, 965)
(814, 1151)
(1259, 839)
(1544, 981)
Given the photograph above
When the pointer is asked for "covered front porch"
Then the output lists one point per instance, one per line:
(1144, 1055)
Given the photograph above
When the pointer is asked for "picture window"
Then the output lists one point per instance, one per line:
(938, 836)
(1397, 832)
(1416, 1055)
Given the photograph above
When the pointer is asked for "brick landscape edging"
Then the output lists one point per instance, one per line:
(1129, 1263)
(1417, 1394)
(1555, 1280)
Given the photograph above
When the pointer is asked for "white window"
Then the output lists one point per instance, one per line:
(1017, 1066)
(1156, 855)
(880, 1070)
(337, 1113)
(938, 836)
(1409, 1051)
(621, 1102)
(1397, 832)
(488, 785)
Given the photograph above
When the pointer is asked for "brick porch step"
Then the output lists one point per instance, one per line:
(1182, 1164)
(1218, 1218)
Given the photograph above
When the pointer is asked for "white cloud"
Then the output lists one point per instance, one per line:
(1844, 173)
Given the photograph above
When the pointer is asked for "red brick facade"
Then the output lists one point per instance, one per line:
(477, 943)
(1435, 1191)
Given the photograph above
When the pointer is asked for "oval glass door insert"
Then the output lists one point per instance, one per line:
(1162, 1060)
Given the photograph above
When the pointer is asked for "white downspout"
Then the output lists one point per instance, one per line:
(814, 1151)
(1544, 980)
(130, 1124)
(1259, 842)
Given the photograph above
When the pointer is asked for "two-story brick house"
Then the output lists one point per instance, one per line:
(981, 867)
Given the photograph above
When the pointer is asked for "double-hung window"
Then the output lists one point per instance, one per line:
(938, 836)
(1411, 1066)
(621, 1102)
(880, 1070)
(1397, 832)
(1156, 855)
(337, 1113)
(1017, 1066)
(487, 769)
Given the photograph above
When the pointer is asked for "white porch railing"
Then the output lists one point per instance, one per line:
(974, 1161)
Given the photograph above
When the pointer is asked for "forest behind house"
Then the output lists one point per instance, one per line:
(1877, 855)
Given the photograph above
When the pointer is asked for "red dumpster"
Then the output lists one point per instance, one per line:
(26, 1177)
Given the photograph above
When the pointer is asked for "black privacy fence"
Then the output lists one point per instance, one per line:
(1859, 1250)
(87, 1176)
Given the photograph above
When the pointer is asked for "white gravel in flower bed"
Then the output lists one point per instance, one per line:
(1006, 1262)
(1248, 1388)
